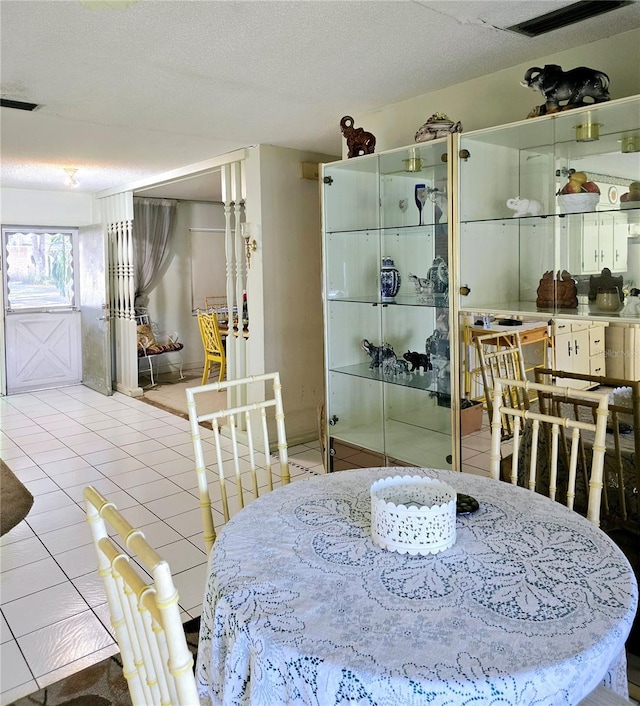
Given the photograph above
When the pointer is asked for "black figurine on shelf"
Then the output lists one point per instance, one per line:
(383, 356)
(571, 86)
(418, 360)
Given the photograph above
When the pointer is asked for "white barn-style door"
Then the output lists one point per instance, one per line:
(41, 316)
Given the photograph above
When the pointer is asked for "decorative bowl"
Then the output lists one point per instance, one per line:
(578, 203)
(413, 514)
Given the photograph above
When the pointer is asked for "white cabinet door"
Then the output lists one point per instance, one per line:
(598, 241)
(590, 245)
(612, 241)
(620, 243)
(571, 351)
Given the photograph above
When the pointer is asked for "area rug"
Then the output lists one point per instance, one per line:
(15, 499)
(169, 394)
(100, 685)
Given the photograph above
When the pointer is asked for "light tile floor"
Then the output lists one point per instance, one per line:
(475, 450)
(53, 615)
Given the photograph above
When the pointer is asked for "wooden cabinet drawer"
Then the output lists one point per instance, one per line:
(564, 325)
(596, 340)
(344, 456)
(597, 364)
(533, 336)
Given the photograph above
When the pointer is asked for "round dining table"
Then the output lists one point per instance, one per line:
(531, 605)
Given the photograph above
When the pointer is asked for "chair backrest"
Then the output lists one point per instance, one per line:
(250, 425)
(218, 305)
(621, 506)
(210, 332)
(500, 356)
(156, 661)
(214, 350)
(551, 425)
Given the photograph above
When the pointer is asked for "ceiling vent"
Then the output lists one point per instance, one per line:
(576, 12)
(18, 105)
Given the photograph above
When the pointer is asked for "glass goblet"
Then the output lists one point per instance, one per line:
(421, 198)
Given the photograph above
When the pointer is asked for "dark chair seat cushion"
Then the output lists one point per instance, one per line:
(158, 348)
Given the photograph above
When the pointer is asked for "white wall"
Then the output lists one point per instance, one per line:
(27, 207)
(498, 98)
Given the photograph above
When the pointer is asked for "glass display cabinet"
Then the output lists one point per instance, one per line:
(515, 228)
(548, 229)
(386, 308)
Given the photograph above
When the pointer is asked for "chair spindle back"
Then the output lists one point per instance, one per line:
(241, 475)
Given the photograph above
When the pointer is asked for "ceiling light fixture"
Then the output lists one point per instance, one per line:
(70, 179)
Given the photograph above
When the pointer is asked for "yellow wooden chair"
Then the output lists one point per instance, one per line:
(551, 425)
(237, 479)
(214, 351)
(156, 661)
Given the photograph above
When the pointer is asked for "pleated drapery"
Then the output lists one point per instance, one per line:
(154, 223)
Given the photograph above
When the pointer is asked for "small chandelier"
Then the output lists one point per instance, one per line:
(70, 179)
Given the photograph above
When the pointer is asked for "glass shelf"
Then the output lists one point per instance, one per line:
(634, 212)
(399, 302)
(426, 229)
(417, 380)
(514, 220)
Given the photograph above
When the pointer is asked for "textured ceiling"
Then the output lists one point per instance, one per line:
(131, 93)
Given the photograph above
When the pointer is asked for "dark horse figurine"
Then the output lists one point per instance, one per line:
(359, 141)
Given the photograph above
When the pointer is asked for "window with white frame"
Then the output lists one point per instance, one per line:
(39, 268)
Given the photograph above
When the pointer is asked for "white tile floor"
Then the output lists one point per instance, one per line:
(53, 615)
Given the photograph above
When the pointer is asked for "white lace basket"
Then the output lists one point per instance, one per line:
(413, 514)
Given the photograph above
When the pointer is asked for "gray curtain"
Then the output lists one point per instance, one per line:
(154, 222)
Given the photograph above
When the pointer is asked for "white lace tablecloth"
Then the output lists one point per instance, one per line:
(532, 604)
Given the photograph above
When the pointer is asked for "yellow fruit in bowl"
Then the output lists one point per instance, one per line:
(579, 184)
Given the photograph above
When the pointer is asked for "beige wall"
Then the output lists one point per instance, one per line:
(498, 98)
(286, 277)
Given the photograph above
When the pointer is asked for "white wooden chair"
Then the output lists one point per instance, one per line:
(551, 426)
(500, 356)
(237, 478)
(156, 661)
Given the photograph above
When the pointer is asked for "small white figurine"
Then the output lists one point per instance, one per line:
(632, 305)
(524, 207)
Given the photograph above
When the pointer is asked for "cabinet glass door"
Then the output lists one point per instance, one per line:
(529, 208)
(386, 304)
(353, 189)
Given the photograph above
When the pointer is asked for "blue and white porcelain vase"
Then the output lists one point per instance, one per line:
(389, 280)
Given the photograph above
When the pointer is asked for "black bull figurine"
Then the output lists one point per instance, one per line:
(572, 86)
